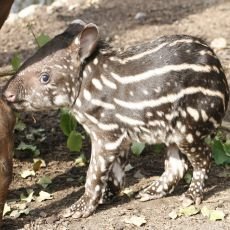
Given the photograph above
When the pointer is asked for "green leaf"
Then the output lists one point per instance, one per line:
(137, 148)
(16, 62)
(32, 148)
(188, 177)
(68, 123)
(212, 214)
(218, 153)
(189, 211)
(42, 40)
(216, 215)
(157, 148)
(227, 149)
(20, 126)
(44, 181)
(74, 142)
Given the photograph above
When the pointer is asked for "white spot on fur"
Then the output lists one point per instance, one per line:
(204, 115)
(131, 93)
(108, 83)
(193, 113)
(97, 84)
(114, 145)
(61, 100)
(118, 172)
(149, 114)
(160, 113)
(189, 138)
(95, 61)
(145, 92)
(87, 95)
(78, 102)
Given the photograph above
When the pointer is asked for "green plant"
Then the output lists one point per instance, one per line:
(137, 148)
(220, 149)
(68, 126)
(16, 62)
(40, 40)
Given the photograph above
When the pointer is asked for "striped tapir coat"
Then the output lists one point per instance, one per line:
(171, 90)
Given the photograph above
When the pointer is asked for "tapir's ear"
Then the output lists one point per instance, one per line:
(87, 40)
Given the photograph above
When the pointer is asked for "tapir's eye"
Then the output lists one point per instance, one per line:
(44, 78)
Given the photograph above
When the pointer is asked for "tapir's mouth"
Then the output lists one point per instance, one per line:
(21, 105)
(17, 105)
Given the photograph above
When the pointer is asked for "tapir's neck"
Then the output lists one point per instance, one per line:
(98, 86)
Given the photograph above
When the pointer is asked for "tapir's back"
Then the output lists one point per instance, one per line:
(169, 64)
(174, 74)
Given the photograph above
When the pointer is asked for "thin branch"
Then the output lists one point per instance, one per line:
(30, 28)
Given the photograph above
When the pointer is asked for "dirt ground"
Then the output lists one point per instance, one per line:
(208, 19)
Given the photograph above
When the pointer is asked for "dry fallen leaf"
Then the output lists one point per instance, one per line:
(6, 209)
(44, 196)
(44, 181)
(27, 173)
(28, 198)
(38, 163)
(173, 214)
(128, 192)
(136, 220)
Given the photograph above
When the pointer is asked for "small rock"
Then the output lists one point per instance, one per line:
(59, 3)
(52, 219)
(128, 167)
(119, 226)
(28, 11)
(12, 18)
(43, 214)
(140, 16)
(138, 175)
(219, 43)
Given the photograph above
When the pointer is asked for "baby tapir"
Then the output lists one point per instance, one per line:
(171, 90)
(7, 121)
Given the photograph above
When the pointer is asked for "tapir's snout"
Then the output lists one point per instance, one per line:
(9, 95)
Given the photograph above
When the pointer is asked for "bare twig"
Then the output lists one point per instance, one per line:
(30, 28)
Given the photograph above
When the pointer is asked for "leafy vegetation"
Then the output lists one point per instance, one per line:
(137, 148)
(16, 62)
(211, 214)
(42, 40)
(220, 148)
(68, 126)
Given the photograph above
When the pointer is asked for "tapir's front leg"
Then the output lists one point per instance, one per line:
(104, 153)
